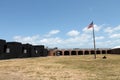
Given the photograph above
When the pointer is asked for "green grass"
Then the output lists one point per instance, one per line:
(62, 68)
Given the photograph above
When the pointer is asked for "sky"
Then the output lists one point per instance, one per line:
(61, 23)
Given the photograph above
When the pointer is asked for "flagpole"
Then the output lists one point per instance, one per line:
(94, 42)
(91, 25)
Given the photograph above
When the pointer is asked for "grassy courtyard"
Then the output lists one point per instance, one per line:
(61, 68)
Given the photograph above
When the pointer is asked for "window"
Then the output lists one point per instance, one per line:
(25, 51)
(36, 51)
(8, 50)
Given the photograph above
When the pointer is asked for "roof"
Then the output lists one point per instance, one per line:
(116, 47)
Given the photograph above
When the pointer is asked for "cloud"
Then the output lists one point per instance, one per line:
(99, 38)
(52, 32)
(105, 37)
(111, 30)
(26, 39)
(117, 28)
(55, 40)
(115, 36)
(76, 41)
(73, 33)
(108, 43)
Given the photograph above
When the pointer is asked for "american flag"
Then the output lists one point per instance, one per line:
(90, 25)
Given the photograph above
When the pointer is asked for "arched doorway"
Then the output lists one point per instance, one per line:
(58, 53)
(73, 53)
(66, 53)
(86, 52)
(103, 52)
(80, 52)
(98, 52)
(92, 52)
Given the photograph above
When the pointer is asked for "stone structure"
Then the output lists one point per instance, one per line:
(10, 50)
(64, 52)
(115, 51)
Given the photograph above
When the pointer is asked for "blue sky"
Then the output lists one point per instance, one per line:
(61, 23)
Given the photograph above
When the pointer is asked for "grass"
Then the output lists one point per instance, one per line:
(61, 68)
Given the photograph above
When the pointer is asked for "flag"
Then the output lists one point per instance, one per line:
(90, 25)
